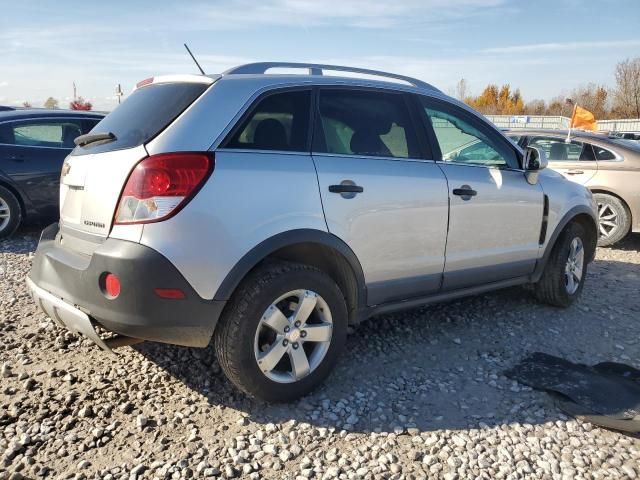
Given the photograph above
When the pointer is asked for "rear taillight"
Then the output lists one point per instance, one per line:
(160, 185)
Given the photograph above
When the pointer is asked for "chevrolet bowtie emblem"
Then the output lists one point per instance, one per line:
(66, 168)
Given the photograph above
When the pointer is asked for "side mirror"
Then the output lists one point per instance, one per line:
(534, 161)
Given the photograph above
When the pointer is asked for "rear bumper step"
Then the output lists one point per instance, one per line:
(67, 286)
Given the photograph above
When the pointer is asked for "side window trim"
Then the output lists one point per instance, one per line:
(254, 102)
(319, 139)
(427, 102)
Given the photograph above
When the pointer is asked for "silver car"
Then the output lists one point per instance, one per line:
(267, 212)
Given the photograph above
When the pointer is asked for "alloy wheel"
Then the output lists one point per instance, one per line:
(574, 266)
(608, 220)
(5, 214)
(293, 336)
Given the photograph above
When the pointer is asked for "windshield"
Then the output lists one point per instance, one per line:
(143, 115)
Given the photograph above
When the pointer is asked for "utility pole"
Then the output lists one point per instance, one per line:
(74, 92)
(119, 93)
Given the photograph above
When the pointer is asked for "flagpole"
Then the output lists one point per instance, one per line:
(573, 114)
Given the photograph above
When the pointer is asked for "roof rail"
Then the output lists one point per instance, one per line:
(317, 69)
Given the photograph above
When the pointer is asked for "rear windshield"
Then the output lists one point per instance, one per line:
(143, 115)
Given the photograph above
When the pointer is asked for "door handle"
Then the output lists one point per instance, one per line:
(575, 172)
(465, 192)
(345, 188)
(16, 158)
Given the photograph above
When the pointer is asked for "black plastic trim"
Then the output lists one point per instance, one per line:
(287, 239)
(137, 312)
(570, 215)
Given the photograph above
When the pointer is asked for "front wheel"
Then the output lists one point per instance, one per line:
(282, 331)
(563, 277)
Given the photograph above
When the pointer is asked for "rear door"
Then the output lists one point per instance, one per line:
(495, 215)
(575, 160)
(381, 191)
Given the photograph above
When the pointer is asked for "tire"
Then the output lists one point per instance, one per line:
(614, 219)
(10, 212)
(554, 285)
(242, 339)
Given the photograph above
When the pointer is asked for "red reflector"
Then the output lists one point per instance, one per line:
(170, 293)
(144, 82)
(112, 285)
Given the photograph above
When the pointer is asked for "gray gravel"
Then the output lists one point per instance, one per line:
(418, 394)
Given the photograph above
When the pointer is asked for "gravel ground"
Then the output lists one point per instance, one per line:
(418, 394)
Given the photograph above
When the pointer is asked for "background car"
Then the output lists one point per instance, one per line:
(33, 146)
(608, 166)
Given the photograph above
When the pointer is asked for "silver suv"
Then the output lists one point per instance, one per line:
(267, 212)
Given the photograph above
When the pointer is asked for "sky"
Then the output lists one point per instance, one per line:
(543, 47)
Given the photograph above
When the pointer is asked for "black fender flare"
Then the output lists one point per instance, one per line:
(564, 221)
(287, 239)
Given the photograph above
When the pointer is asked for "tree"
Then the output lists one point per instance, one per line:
(592, 97)
(462, 90)
(627, 91)
(494, 101)
(26, 104)
(535, 107)
(80, 104)
(51, 103)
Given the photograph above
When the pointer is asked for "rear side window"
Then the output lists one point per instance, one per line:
(143, 115)
(370, 123)
(41, 133)
(603, 153)
(278, 122)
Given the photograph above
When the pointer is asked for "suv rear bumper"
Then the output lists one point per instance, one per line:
(66, 285)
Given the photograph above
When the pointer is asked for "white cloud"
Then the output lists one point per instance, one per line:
(4, 83)
(564, 46)
(235, 14)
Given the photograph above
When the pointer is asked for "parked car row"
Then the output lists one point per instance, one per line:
(267, 212)
(33, 146)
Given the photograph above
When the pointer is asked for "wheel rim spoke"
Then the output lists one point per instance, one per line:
(293, 336)
(299, 362)
(272, 357)
(305, 307)
(318, 333)
(275, 319)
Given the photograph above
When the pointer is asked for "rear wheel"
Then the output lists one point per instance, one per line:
(614, 220)
(282, 331)
(566, 269)
(10, 212)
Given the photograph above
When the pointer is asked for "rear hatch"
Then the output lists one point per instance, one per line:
(94, 174)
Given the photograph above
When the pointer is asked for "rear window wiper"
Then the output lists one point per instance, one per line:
(88, 138)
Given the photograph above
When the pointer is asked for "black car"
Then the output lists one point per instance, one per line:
(33, 146)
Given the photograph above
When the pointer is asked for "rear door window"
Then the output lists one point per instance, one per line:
(143, 115)
(366, 123)
(279, 121)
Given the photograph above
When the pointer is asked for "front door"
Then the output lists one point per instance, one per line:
(380, 192)
(575, 160)
(495, 214)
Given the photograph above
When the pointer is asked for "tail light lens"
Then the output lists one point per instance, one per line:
(160, 185)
